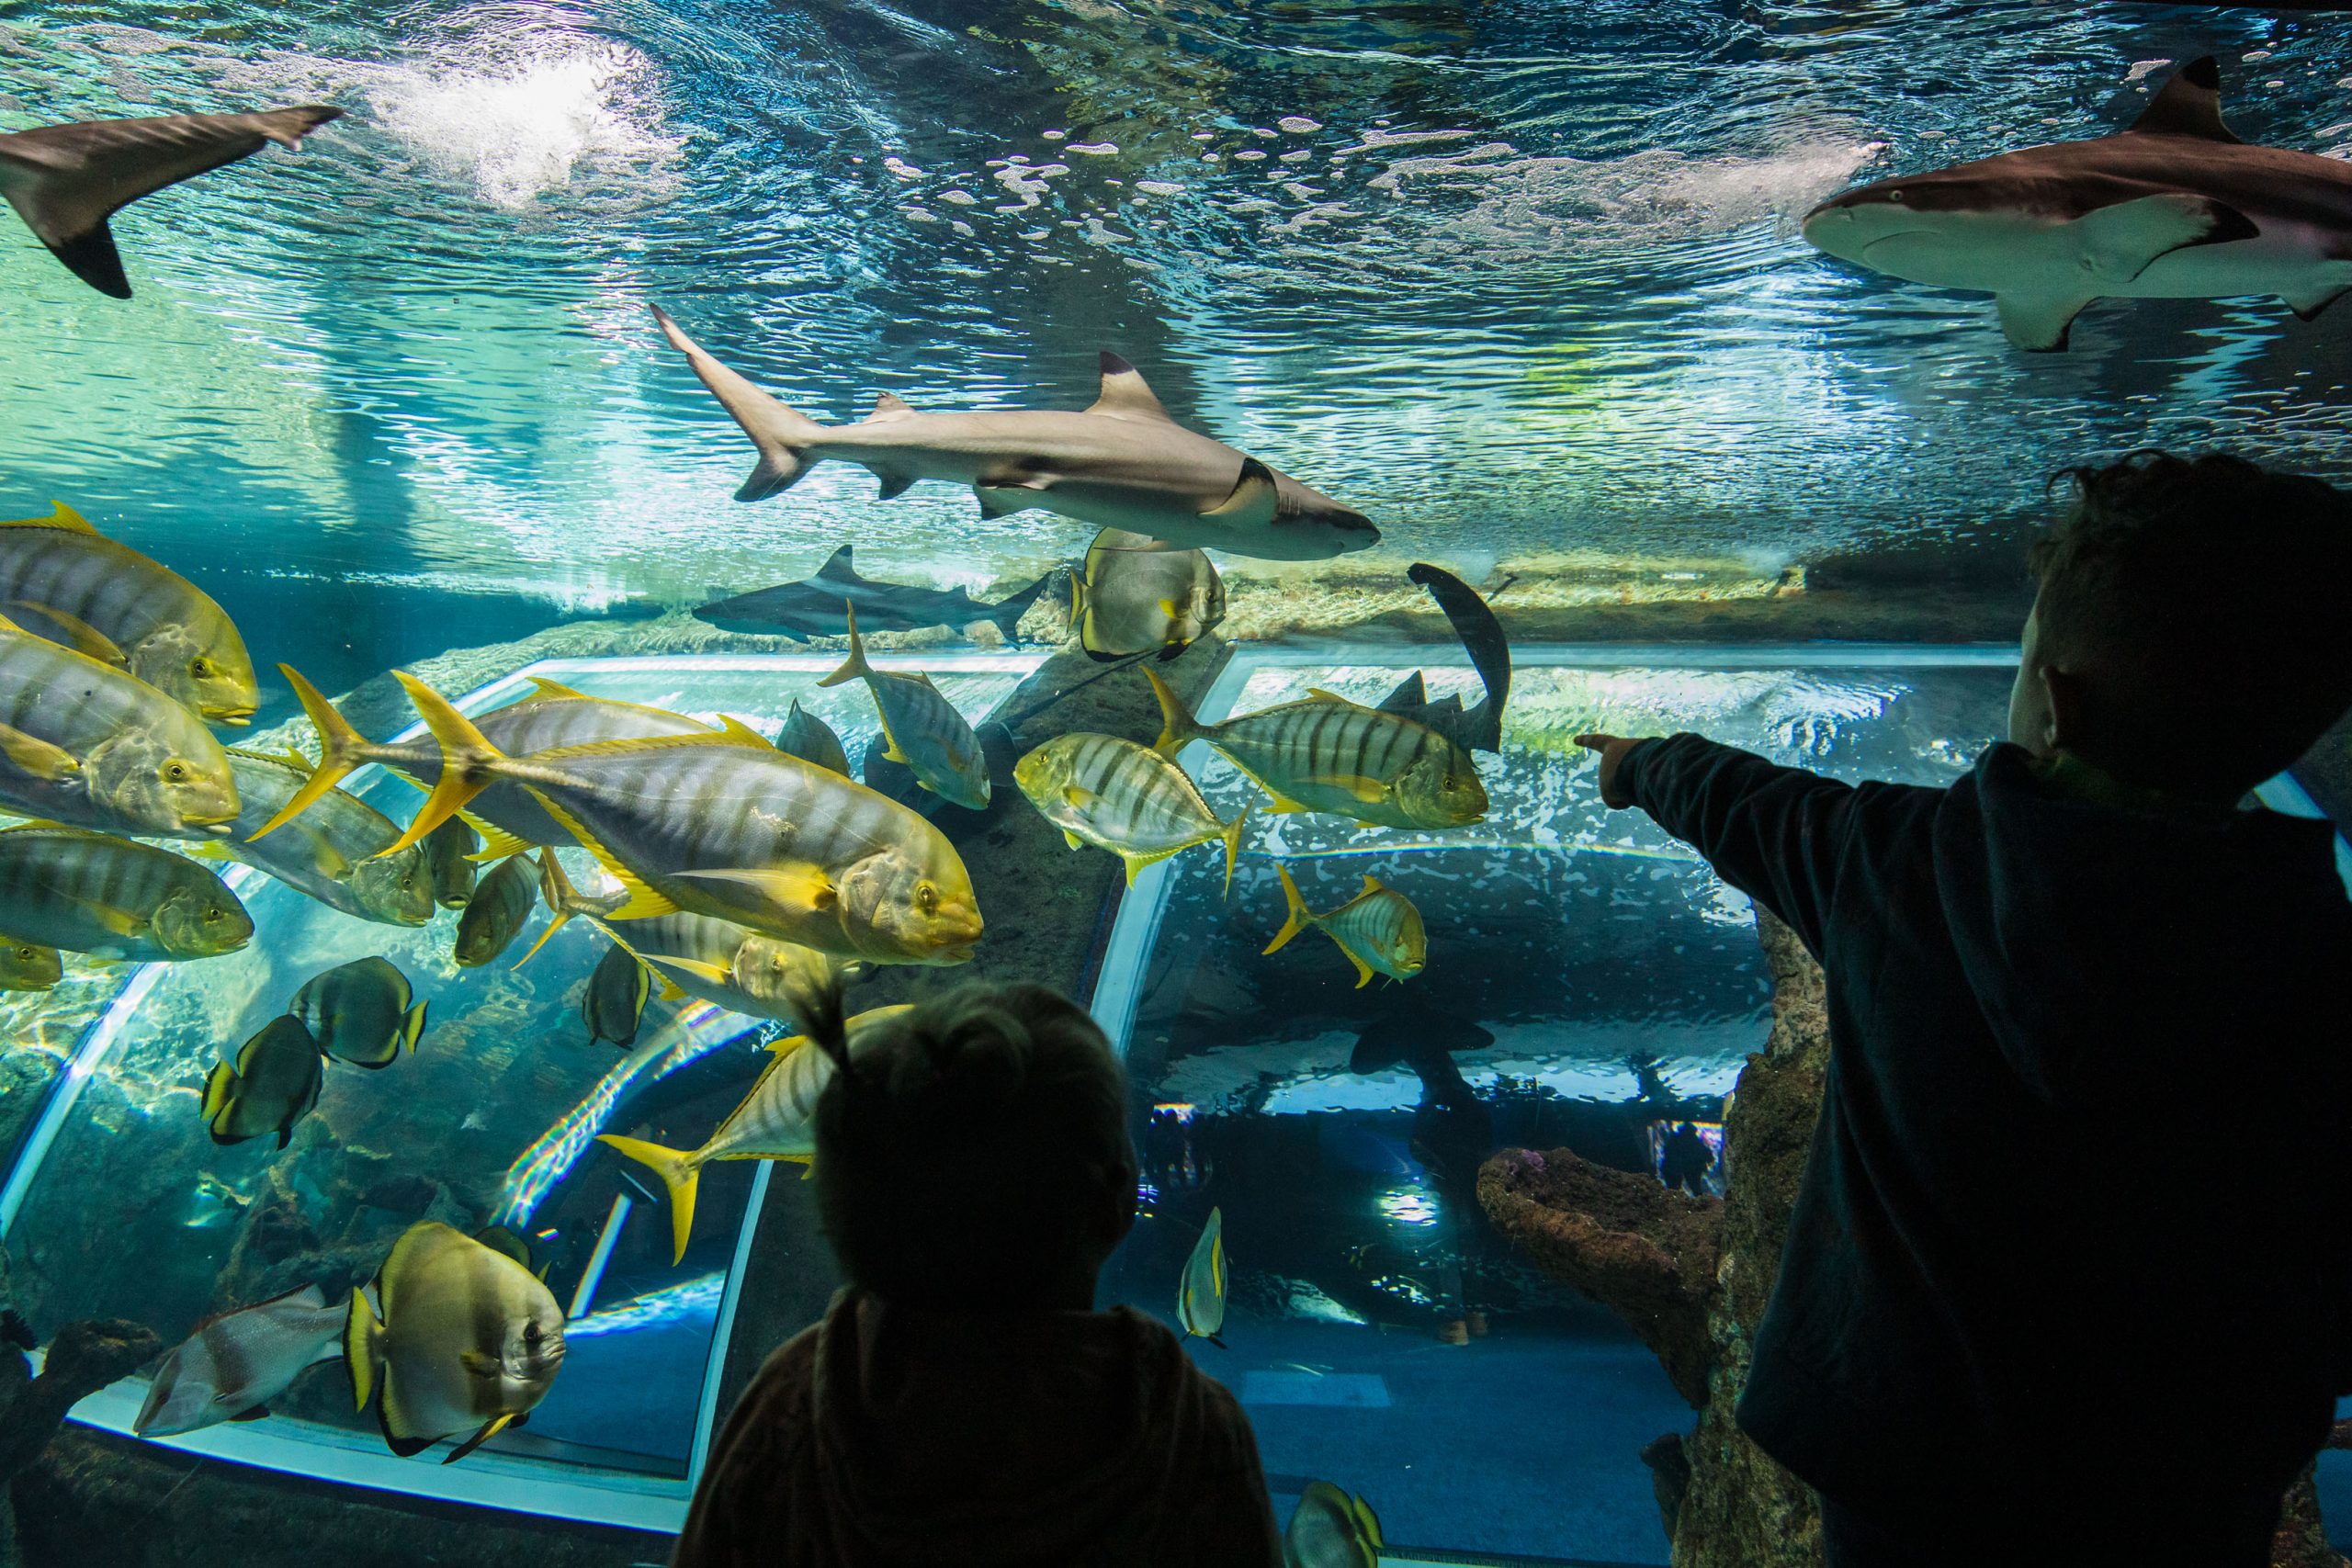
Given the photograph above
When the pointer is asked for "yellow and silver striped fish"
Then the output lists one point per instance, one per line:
(505, 815)
(336, 855)
(112, 898)
(919, 727)
(776, 1120)
(1378, 929)
(727, 825)
(1122, 797)
(1325, 753)
(86, 743)
(62, 580)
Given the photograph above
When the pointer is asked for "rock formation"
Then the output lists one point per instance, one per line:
(83, 1358)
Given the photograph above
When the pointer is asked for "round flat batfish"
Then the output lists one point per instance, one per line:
(1138, 596)
(110, 897)
(1331, 1529)
(360, 1012)
(273, 1084)
(615, 1000)
(465, 1340)
(1200, 1292)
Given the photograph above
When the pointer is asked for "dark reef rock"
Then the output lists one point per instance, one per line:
(83, 1358)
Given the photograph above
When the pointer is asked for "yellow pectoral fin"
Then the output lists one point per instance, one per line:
(1281, 806)
(497, 843)
(325, 856)
(1081, 799)
(69, 630)
(800, 889)
(122, 922)
(1075, 842)
(1363, 787)
(38, 758)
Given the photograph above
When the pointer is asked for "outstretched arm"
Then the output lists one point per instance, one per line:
(1775, 833)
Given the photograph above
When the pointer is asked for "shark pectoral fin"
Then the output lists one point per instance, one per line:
(2037, 322)
(2116, 243)
(1253, 497)
(893, 485)
(2310, 303)
(1002, 501)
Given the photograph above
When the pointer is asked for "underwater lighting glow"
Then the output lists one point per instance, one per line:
(1409, 1206)
(692, 1298)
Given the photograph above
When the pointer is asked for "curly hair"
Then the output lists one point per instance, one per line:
(966, 1149)
(2201, 590)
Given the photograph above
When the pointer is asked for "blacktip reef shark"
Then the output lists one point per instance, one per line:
(1121, 463)
(65, 181)
(816, 607)
(2175, 207)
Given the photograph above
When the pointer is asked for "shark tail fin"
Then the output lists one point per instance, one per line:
(1177, 724)
(341, 748)
(1007, 615)
(854, 667)
(780, 433)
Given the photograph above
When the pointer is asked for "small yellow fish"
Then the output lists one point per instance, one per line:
(1122, 797)
(1378, 929)
(921, 727)
(1200, 1295)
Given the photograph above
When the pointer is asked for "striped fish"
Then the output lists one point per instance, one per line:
(615, 1000)
(811, 739)
(336, 854)
(62, 580)
(28, 966)
(447, 856)
(727, 825)
(1325, 753)
(360, 1012)
(1122, 797)
(86, 743)
(776, 1120)
(496, 914)
(727, 964)
(506, 816)
(919, 727)
(1378, 929)
(274, 1085)
(1200, 1292)
(113, 898)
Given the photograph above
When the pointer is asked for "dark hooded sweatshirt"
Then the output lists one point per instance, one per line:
(2072, 1234)
(889, 1437)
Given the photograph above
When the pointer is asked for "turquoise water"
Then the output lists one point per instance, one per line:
(1520, 281)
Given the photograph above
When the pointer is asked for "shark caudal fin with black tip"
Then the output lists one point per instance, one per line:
(780, 433)
(341, 748)
(1007, 612)
(467, 759)
(1482, 637)
(65, 181)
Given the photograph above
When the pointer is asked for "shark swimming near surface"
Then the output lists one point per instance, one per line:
(2175, 207)
(1121, 463)
(815, 607)
(65, 181)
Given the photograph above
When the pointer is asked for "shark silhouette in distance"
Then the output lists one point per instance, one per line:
(815, 607)
(2175, 207)
(65, 181)
(1121, 463)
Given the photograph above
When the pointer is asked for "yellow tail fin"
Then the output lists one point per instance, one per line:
(854, 667)
(680, 1172)
(1177, 724)
(1233, 843)
(341, 748)
(361, 1333)
(466, 758)
(1300, 915)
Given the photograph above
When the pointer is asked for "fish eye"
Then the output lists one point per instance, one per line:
(1896, 194)
(25, 953)
(176, 772)
(926, 897)
(214, 916)
(200, 666)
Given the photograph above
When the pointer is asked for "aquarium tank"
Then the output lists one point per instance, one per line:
(539, 535)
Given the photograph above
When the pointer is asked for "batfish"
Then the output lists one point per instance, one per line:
(813, 606)
(1121, 463)
(65, 181)
(2175, 207)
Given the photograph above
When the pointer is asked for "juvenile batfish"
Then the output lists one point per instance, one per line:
(1378, 929)
(90, 745)
(359, 1012)
(28, 966)
(1200, 1293)
(811, 739)
(112, 898)
(919, 727)
(445, 852)
(468, 1341)
(1138, 596)
(501, 909)
(273, 1084)
(1122, 797)
(236, 1362)
(1325, 753)
(1332, 1530)
(727, 964)
(1123, 463)
(336, 855)
(776, 1120)
(614, 1001)
(727, 825)
(62, 580)
(506, 817)
(65, 181)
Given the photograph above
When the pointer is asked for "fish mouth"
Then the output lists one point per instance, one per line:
(239, 717)
(963, 955)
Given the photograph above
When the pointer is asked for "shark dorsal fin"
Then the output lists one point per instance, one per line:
(1125, 395)
(2189, 104)
(838, 567)
(889, 406)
